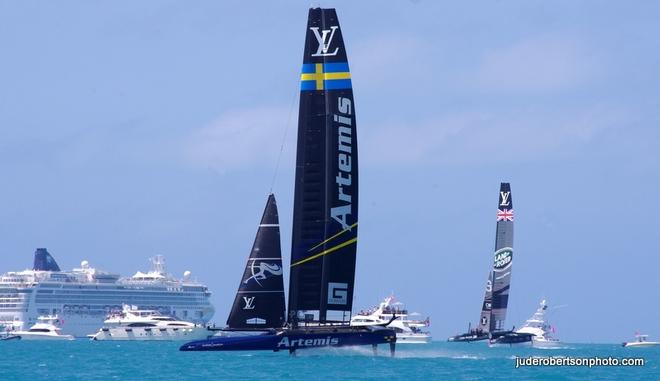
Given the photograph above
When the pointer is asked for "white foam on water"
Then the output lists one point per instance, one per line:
(468, 357)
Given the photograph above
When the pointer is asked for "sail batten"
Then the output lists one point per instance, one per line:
(259, 302)
(326, 190)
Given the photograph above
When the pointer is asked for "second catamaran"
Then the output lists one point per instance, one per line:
(496, 299)
(325, 221)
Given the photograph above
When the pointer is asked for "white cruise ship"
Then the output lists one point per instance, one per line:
(83, 297)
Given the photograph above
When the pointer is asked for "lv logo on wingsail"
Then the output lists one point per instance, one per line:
(324, 46)
(505, 198)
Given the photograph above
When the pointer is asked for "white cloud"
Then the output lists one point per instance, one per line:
(539, 63)
(387, 61)
(245, 139)
(242, 139)
(488, 136)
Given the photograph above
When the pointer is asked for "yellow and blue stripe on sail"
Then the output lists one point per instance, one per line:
(325, 76)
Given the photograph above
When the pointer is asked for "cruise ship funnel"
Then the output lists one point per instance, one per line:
(43, 261)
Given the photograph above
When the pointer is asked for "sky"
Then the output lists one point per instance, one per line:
(130, 129)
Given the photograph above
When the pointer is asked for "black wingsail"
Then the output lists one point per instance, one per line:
(487, 306)
(503, 259)
(496, 298)
(326, 189)
(259, 301)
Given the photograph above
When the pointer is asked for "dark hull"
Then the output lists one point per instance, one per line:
(293, 339)
(510, 337)
(468, 337)
(494, 337)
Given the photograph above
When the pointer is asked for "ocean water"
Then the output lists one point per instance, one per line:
(89, 360)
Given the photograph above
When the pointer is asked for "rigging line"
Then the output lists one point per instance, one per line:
(286, 131)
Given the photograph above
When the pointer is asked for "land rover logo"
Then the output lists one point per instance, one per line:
(503, 258)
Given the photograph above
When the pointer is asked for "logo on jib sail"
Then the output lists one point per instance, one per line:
(503, 258)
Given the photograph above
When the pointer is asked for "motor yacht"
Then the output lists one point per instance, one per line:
(542, 331)
(135, 324)
(46, 328)
(407, 330)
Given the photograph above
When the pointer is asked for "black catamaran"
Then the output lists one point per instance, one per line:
(325, 221)
(496, 299)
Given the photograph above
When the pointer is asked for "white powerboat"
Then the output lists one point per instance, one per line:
(135, 324)
(45, 329)
(6, 330)
(542, 331)
(407, 330)
(641, 341)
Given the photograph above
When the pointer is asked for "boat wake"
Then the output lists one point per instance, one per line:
(437, 355)
(468, 357)
(383, 351)
(552, 348)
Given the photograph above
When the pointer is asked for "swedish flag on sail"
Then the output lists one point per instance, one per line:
(325, 76)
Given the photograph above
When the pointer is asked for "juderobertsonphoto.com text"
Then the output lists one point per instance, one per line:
(578, 361)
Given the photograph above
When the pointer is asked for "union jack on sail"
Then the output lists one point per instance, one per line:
(505, 214)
